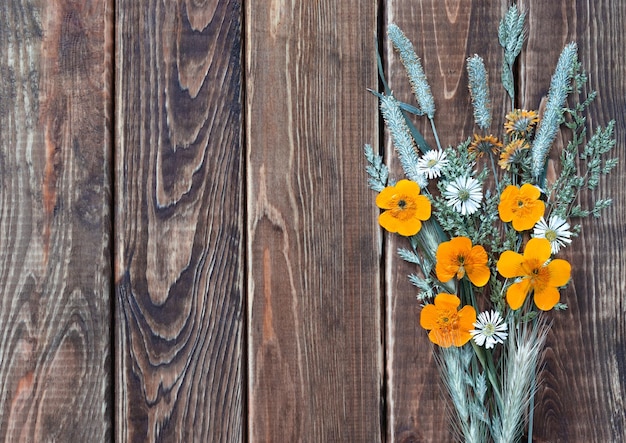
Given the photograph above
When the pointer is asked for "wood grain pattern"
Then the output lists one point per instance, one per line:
(313, 268)
(55, 223)
(584, 381)
(444, 34)
(178, 221)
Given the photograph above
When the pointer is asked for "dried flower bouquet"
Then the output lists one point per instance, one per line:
(485, 240)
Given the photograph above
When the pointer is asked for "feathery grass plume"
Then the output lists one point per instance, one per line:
(552, 117)
(523, 357)
(511, 36)
(466, 394)
(414, 69)
(402, 140)
(376, 169)
(479, 91)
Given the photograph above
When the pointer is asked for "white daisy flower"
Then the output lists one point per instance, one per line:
(430, 164)
(556, 230)
(464, 194)
(490, 329)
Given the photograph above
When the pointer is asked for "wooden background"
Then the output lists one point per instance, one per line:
(188, 247)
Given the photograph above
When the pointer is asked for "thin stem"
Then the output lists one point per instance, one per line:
(432, 124)
(495, 172)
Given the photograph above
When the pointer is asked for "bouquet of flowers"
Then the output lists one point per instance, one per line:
(484, 224)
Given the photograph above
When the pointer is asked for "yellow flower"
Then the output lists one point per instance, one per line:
(520, 121)
(511, 153)
(458, 257)
(482, 144)
(447, 324)
(405, 208)
(521, 206)
(537, 274)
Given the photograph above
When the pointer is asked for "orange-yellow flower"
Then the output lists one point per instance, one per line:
(447, 324)
(405, 208)
(521, 206)
(520, 121)
(484, 143)
(512, 153)
(537, 274)
(458, 257)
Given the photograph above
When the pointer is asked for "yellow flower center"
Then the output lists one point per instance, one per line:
(524, 206)
(404, 207)
(537, 273)
(448, 322)
(460, 273)
(432, 162)
(463, 195)
(489, 330)
(551, 235)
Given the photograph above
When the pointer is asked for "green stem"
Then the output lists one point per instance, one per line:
(495, 172)
(432, 124)
(488, 366)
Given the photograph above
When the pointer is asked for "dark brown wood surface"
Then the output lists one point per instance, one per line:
(55, 223)
(314, 311)
(178, 218)
(256, 298)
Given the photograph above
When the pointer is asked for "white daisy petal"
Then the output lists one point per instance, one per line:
(431, 163)
(556, 230)
(464, 194)
(490, 329)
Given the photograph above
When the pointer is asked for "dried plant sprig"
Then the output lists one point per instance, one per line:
(552, 118)
(511, 35)
(479, 91)
(523, 358)
(467, 394)
(414, 69)
(402, 140)
(492, 391)
(376, 169)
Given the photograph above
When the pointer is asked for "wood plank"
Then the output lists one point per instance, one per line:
(178, 221)
(584, 382)
(313, 259)
(55, 221)
(443, 35)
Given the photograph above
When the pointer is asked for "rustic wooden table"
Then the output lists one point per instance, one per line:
(188, 247)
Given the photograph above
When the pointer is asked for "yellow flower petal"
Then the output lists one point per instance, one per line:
(510, 264)
(409, 228)
(388, 221)
(560, 272)
(384, 199)
(530, 191)
(547, 298)
(521, 206)
(504, 207)
(538, 249)
(423, 210)
(428, 317)
(516, 294)
(476, 268)
(447, 301)
(405, 208)
(448, 326)
(457, 258)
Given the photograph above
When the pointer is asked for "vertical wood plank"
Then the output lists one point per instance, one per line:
(583, 386)
(444, 34)
(313, 279)
(55, 121)
(178, 220)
